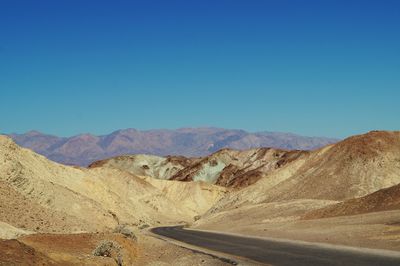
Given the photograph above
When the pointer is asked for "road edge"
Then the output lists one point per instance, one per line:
(228, 258)
(363, 250)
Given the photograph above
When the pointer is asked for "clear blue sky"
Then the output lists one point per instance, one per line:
(328, 68)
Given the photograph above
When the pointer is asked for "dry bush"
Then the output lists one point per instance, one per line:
(111, 249)
(126, 231)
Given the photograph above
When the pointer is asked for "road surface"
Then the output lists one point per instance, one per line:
(276, 252)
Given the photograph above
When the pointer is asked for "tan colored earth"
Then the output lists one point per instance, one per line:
(346, 193)
(77, 249)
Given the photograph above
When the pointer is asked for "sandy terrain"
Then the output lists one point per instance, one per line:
(374, 230)
(47, 197)
(64, 249)
(195, 197)
(155, 251)
(349, 169)
(287, 203)
(8, 231)
(346, 193)
(77, 249)
(381, 200)
(80, 207)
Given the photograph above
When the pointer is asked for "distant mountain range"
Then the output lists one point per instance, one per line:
(83, 149)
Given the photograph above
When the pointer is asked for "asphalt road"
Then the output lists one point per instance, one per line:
(275, 252)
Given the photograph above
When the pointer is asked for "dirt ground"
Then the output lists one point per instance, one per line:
(380, 230)
(154, 251)
(77, 249)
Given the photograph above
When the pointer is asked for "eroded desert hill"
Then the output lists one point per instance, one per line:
(346, 193)
(353, 168)
(260, 191)
(147, 165)
(382, 200)
(278, 185)
(42, 196)
(227, 168)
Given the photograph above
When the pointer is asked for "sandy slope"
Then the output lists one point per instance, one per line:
(379, 230)
(270, 192)
(314, 185)
(77, 249)
(196, 197)
(57, 198)
(146, 165)
(352, 168)
(38, 197)
(10, 232)
(381, 200)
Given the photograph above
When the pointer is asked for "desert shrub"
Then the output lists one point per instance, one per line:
(143, 226)
(107, 248)
(126, 231)
(111, 249)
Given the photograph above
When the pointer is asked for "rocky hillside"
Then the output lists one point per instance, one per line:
(352, 168)
(381, 200)
(42, 196)
(227, 168)
(190, 142)
(147, 165)
(261, 191)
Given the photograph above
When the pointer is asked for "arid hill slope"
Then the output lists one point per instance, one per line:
(146, 165)
(381, 200)
(43, 196)
(356, 180)
(281, 192)
(233, 168)
(227, 168)
(353, 168)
